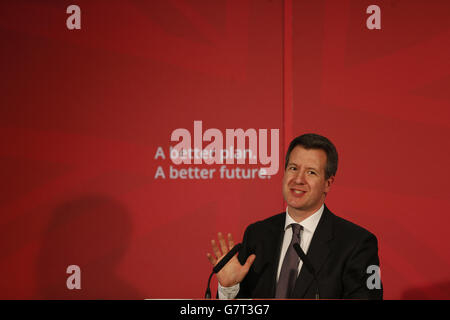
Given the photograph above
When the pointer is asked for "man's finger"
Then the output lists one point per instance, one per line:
(230, 241)
(249, 262)
(223, 244)
(211, 259)
(216, 250)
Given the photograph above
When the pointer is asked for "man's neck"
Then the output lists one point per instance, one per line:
(300, 215)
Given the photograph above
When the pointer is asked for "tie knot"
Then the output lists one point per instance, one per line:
(296, 229)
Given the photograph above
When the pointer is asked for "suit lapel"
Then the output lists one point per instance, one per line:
(317, 253)
(278, 234)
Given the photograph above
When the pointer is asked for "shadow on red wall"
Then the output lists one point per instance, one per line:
(436, 291)
(93, 233)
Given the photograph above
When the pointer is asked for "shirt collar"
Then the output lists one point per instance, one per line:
(309, 224)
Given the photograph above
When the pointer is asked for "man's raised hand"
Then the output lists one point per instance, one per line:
(233, 272)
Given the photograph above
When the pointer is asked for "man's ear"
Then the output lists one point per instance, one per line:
(329, 182)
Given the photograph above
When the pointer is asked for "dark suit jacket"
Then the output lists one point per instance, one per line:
(340, 252)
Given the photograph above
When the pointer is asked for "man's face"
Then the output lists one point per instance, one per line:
(304, 183)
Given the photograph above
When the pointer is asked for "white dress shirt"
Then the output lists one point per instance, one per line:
(309, 227)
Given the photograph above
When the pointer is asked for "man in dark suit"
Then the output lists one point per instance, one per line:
(343, 256)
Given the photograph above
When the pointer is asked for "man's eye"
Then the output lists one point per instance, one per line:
(292, 168)
(311, 172)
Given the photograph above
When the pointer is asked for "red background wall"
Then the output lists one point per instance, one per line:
(83, 113)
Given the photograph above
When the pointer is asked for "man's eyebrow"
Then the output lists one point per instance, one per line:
(307, 168)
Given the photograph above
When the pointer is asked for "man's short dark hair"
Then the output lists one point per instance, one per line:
(315, 141)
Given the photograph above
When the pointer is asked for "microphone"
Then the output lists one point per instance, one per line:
(220, 265)
(227, 258)
(308, 266)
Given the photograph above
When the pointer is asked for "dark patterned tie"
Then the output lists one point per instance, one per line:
(289, 269)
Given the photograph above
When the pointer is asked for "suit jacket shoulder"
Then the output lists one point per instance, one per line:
(275, 221)
(348, 235)
(262, 234)
(344, 226)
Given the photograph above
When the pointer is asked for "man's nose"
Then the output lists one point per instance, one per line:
(300, 178)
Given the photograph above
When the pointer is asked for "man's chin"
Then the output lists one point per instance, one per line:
(296, 206)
